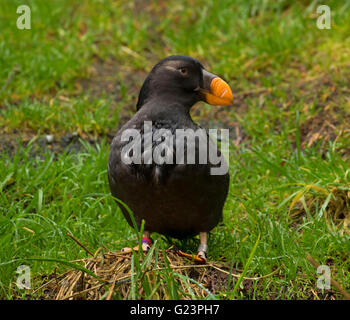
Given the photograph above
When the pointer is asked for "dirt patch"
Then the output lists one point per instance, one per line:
(102, 78)
(40, 145)
(321, 128)
(329, 120)
(111, 77)
(324, 127)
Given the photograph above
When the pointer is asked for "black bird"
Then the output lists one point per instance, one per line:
(149, 169)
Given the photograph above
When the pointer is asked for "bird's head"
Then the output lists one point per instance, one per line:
(185, 78)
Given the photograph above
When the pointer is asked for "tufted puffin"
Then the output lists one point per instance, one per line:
(161, 162)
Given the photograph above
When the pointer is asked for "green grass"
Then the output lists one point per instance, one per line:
(300, 77)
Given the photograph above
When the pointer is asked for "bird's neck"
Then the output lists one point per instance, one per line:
(170, 98)
(171, 107)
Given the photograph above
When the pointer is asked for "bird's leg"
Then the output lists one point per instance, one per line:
(145, 244)
(146, 241)
(203, 246)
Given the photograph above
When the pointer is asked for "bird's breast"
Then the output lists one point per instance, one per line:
(154, 150)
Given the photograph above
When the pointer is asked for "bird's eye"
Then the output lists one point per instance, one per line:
(183, 71)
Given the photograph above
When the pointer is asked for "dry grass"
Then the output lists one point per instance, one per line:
(113, 276)
(335, 204)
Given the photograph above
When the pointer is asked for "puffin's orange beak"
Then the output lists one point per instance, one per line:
(216, 91)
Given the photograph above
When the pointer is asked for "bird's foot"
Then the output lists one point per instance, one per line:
(192, 257)
(202, 255)
(202, 252)
(145, 245)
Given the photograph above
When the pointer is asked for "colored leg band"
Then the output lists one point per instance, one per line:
(146, 240)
